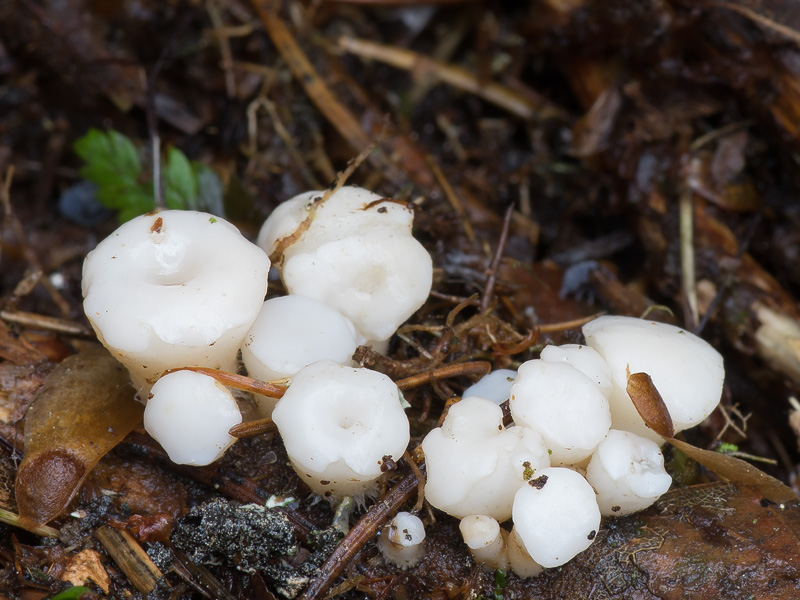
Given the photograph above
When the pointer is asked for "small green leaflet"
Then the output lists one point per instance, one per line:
(113, 164)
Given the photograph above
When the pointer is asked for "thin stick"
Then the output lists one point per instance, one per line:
(498, 255)
(271, 389)
(420, 482)
(36, 321)
(458, 77)
(10, 518)
(478, 367)
(253, 428)
(451, 196)
(688, 275)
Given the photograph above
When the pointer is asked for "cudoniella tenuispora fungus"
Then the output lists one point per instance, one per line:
(173, 289)
(564, 397)
(357, 255)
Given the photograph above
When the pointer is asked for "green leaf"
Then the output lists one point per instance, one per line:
(113, 165)
(180, 182)
(73, 593)
(210, 189)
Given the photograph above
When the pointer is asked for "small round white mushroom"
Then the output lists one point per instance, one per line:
(627, 472)
(565, 406)
(685, 369)
(402, 540)
(475, 465)
(190, 414)
(486, 540)
(584, 358)
(556, 516)
(494, 386)
(339, 424)
(292, 332)
(173, 289)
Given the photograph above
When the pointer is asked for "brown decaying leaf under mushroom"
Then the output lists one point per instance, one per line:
(651, 408)
(85, 408)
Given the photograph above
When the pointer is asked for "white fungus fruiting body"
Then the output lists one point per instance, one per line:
(556, 516)
(292, 332)
(339, 424)
(475, 465)
(627, 472)
(494, 386)
(173, 289)
(190, 414)
(565, 406)
(402, 540)
(486, 540)
(584, 358)
(357, 255)
(519, 559)
(685, 369)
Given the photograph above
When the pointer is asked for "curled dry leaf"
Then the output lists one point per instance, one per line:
(650, 404)
(84, 409)
(651, 408)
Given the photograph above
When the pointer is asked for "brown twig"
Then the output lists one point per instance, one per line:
(488, 289)
(271, 389)
(36, 321)
(456, 76)
(253, 428)
(478, 367)
(361, 533)
(451, 196)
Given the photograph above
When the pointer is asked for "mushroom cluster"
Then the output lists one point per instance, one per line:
(577, 450)
(173, 289)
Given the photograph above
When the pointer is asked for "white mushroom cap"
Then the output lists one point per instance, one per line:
(584, 358)
(685, 369)
(174, 289)
(556, 516)
(190, 414)
(357, 256)
(292, 332)
(627, 472)
(349, 210)
(484, 538)
(494, 386)
(475, 465)
(377, 279)
(338, 424)
(402, 540)
(567, 408)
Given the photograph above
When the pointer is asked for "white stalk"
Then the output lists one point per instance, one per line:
(486, 540)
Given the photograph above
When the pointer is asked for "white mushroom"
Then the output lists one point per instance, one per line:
(565, 406)
(357, 255)
(486, 540)
(292, 332)
(627, 472)
(494, 386)
(584, 358)
(402, 540)
(173, 289)
(339, 425)
(556, 516)
(475, 465)
(190, 414)
(685, 369)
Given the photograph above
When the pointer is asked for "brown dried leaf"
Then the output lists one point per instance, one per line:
(651, 408)
(87, 566)
(650, 404)
(85, 408)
